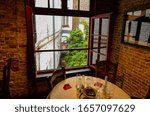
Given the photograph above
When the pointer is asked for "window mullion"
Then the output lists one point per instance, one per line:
(78, 4)
(48, 3)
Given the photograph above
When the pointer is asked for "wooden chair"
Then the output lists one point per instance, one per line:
(146, 97)
(57, 76)
(5, 92)
(148, 94)
(104, 68)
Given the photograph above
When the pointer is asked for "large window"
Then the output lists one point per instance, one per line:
(59, 36)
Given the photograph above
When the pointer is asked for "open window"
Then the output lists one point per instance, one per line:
(50, 41)
(99, 38)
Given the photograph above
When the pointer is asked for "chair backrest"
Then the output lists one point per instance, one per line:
(57, 76)
(6, 78)
(146, 97)
(100, 70)
(104, 68)
(119, 79)
(148, 94)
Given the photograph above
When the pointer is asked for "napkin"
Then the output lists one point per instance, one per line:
(67, 86)
(98, 84)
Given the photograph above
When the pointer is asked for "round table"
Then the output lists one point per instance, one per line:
(58, 92)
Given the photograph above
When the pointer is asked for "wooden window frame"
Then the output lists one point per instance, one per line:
(107, 15)
(30, 10)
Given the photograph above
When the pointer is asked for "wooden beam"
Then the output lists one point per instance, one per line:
(60, 12)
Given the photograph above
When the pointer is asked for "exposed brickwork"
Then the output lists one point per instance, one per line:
(134, 61)
(13, 42)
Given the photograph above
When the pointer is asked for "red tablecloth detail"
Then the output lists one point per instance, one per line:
(67, 86)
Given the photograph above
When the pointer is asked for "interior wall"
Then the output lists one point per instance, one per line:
(133, 61)
(13, 44)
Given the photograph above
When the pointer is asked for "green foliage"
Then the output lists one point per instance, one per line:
(86, 28)
(76, 36)
(77, 39)
(76, 58)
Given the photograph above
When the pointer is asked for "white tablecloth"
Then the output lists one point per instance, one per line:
(58, 91)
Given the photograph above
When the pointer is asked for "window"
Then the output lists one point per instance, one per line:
(136, 30)
(99, 35)
(60, 36)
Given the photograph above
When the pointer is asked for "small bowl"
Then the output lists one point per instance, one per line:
(89, 93)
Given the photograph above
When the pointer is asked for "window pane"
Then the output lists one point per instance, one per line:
(105, 25)
(72, 4)
(48, 60)
(41, 3)
(52, 60)
(103, 54)
(84, 5)
(96, 26)
(44, 60)
(94, 56)
(49, 31)
(103, 42)
(95, 41)
(55, 4)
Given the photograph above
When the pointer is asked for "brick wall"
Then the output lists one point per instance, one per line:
(134, 61)
(13, 43)
(104, 6)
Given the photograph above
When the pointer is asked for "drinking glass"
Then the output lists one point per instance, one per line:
(88, 82)
(111, 91)
(79, 85)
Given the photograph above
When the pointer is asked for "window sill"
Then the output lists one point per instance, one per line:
(67, 72)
